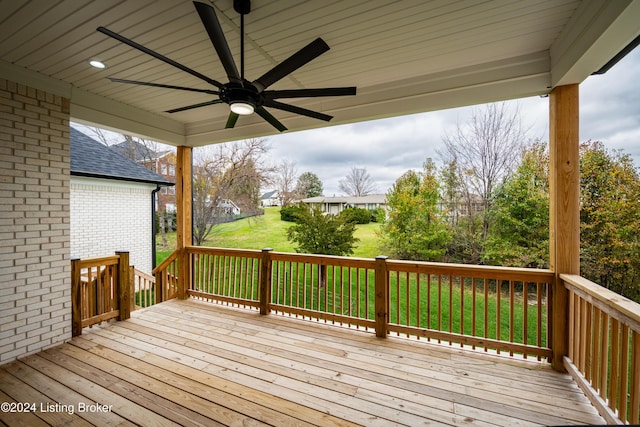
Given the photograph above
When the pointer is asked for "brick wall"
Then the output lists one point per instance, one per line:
(107, 216)
(35, 283)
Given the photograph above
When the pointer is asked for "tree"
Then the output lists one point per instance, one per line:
(226, 172)
(317, 233)
(357, 183)
(519, 234)
(485, 152)
(285, 178)
(414, 228)
(610, 219)
(309, 185)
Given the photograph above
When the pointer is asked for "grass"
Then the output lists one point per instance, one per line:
(268, 231)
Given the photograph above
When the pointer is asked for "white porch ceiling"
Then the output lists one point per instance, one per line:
(404, 56)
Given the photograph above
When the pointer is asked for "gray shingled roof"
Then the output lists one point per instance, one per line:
(91, 158)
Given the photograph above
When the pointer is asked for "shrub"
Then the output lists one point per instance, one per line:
(356, 215)
(291, 213)
(378, 215)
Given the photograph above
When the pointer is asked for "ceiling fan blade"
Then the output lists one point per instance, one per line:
(297, 110)
(231, 121)
(135, 82)
(157, 56)
(191, 107)
(292, 63)
(212, 25)
(268, 117)
(309, 93)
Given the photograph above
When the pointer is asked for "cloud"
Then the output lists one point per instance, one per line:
(609, 112)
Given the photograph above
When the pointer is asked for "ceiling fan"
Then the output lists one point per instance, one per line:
(243, 96)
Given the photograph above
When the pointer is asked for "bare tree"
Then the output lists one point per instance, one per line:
(357, 183)
(226, 172)
(141, 150)
(484, 151)
(285, 176)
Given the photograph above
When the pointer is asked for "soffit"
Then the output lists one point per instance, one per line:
(404, 56)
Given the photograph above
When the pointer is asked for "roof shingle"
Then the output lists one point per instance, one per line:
(91, 158)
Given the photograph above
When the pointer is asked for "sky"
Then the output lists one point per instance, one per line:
(387, 148)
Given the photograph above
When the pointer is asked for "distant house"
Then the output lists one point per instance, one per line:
(112, 203)
(335, 205)
(227, 207)
(270, 198)
(161, 162)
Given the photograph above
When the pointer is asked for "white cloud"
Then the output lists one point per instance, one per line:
(609, 112)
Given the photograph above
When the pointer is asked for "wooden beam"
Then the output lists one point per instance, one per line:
(564, 208)
(184, 215)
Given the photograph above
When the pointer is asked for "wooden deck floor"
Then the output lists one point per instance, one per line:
(193, 363)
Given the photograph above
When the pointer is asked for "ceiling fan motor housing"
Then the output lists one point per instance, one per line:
(238, 92)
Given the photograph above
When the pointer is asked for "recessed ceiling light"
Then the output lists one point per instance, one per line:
(97, 64)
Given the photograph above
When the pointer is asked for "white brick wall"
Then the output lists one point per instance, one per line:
(109, 216)
(35, 282)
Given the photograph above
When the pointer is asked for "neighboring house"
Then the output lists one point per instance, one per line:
(335, 205)
(227, 207)
(161, 162)
(270, 198)
(462, 206)
(112, 203)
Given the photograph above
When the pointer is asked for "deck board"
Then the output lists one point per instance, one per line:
(195, 363)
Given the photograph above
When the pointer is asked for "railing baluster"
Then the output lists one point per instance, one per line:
(462, 279)
(635, 378)
(512, 308)
(604, 362)
(474, 289)
(624, 373)
(614, 372)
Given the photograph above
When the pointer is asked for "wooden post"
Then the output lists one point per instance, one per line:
(184, 215)
(123, 291)
(158, 287)
(265, 281)
(382, 296)
(76, 298)
(564, 209)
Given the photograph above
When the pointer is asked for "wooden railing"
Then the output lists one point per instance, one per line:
(490, 308)
(166, 277)
(497, 308)
(100, 289)
(503, 310)
(336, 289)
(604, 348)
(143, 288)
(226, 275)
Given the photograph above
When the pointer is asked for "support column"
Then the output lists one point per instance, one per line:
(184, 215)
(564, 208)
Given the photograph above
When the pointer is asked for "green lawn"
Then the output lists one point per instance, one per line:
(268, 231)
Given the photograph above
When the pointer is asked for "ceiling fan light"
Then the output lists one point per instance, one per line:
(242, 108)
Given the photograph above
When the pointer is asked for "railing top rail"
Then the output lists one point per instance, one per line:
(616, 305)
(323, 259)
(166, 262)
(248, 253)
(142, 274)
(480, 271)
(99, 262)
